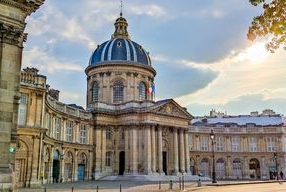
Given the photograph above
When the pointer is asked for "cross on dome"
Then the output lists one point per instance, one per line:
(121, 26)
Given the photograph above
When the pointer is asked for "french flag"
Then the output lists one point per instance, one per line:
(151, 89)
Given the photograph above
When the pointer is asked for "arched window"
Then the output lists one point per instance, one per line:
(95, 90)
(118, 90)
(142, 91)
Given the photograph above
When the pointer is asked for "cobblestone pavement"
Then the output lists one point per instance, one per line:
(131, 186)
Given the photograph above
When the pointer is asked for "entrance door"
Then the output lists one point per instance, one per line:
(121, 162)
(56, 171)
(165, 162)
(254, 169)
(80, 172)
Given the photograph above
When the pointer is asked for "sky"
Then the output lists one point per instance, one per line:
(199, 49)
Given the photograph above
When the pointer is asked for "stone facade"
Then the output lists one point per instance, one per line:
(12, 24)
(244, 146)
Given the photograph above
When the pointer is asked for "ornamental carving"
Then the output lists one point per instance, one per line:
(12, 35)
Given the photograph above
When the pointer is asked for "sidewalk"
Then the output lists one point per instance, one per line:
(131, 186)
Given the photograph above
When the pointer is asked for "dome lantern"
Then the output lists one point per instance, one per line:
(121, 28)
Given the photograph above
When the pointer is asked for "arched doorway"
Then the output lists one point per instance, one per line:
(220, 168)
(82, 160)
(68, 159)
(192, 166)
(254, 169)
(205, 167)
(237, 169)
(56, 166)
(121, 162)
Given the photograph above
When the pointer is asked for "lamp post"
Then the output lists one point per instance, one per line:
(276, 165)
(212, 136)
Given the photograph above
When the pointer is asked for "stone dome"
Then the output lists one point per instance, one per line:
(120, 48)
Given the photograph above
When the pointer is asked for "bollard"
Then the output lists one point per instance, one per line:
(72, 189)
(199, 183)
(45, 189)
(159, 184)
(180, 181)
(120, 188)
(183, 183)
(97, 188)
(171, 184)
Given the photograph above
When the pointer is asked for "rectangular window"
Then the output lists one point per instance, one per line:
(252, 144)
(271, 144)
(57, 128)
(235, 144)
(48, 123)
(82, 132)
(22, 111)
(204, 143)
(69, 129)
(219, 143)
(108, 133)
(108, 159)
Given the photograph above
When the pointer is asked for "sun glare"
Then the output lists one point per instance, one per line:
(256, 53)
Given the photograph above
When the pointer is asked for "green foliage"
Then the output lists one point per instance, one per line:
(271, 23)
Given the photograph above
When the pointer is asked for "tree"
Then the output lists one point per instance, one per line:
(272, 23)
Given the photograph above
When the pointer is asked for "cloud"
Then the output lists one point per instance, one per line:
(249, 71)
(39, 59)
(150, 10)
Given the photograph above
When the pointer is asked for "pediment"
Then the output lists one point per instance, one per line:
(170, 108)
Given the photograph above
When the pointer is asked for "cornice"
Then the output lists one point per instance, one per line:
(28, 6)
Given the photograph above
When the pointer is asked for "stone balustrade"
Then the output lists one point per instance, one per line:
(63, 108)
(30, 76)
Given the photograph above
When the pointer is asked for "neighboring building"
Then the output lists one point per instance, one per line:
(12, 24)
(244, 145)
(122, 132)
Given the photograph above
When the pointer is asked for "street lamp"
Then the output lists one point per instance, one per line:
(212, 136)
(276, 165)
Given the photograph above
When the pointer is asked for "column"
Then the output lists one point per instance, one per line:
(75, 167)
(182, 151)
(127, 151)
(97, 151)
(153, 145)
(134, 148)
(62, 164)
(187, 151)
(175, 151)
(103, 149)
(51, 164)
(147, 149)
(160, 151)
(90, 165)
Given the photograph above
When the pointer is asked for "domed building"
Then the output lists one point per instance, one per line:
(133, 133)
(124, 131)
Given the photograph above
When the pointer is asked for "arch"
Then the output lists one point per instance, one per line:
(95, 91)
(142, 88)
(22, 160)
(56, 165)
(68, 165)
(237, 168)
(220, 168)
(82, 166)
(192, 166)
(254, 168)
(204, 167)
(118, 91)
